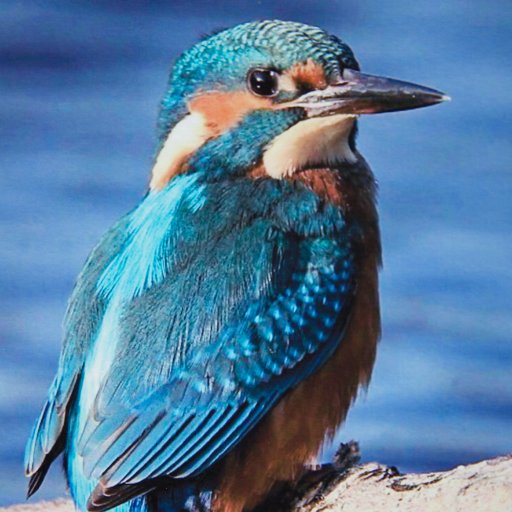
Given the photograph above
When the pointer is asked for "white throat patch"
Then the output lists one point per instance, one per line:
(185, 138)
(312, 142)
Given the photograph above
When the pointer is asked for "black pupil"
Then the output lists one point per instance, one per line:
(263, 82)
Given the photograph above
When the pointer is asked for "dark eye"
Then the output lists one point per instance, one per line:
(263, 82)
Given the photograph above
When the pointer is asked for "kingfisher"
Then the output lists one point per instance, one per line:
(219, 332)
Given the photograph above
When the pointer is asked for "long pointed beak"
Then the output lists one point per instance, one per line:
(358, 93)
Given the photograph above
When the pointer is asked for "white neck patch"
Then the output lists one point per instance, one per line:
(309, 143)
(185, 138)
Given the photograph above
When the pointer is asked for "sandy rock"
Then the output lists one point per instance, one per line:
(482, 487)
(60, 505)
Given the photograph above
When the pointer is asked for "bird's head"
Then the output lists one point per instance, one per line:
(269, 98)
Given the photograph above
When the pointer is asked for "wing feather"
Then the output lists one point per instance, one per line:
(241, 312)
(188, 424)
(84, 313)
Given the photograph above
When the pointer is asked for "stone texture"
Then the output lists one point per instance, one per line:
(482, 487)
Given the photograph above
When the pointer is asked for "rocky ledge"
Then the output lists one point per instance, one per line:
(347, 486)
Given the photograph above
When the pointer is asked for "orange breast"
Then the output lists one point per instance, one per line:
(293, 432)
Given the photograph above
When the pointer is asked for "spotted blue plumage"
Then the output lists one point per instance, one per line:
(224, 59)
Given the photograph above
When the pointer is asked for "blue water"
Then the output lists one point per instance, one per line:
(79, 87)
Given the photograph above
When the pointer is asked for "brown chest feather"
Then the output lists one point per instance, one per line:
(293, 432)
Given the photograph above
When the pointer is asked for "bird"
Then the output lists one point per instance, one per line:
(219, 331)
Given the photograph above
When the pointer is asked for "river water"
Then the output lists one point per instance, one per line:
(79, 87)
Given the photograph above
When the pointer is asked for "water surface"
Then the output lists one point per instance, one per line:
(79, 87)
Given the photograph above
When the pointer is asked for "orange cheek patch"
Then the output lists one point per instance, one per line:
(223, 110)
(308, 73)
(211, 114)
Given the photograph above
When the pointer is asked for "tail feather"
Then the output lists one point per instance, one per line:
(40, 451)
(99, 501)
(37, 477)
(46, 440)
(35, 482)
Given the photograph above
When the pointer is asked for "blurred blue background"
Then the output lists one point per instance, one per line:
(79, 87)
